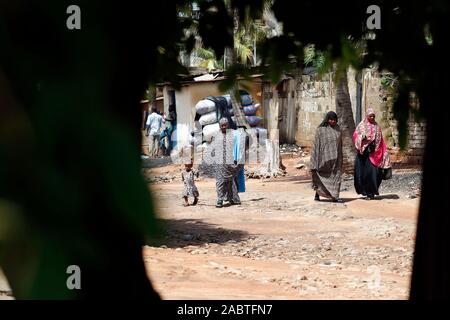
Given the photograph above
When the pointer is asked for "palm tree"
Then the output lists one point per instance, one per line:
(207, 59)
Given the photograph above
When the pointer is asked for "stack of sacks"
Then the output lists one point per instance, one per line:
(208, 112)
(250, 109)
(208, 122)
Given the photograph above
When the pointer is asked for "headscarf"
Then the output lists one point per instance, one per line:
(373, 134)
(328, 116)
(223, 121)
(369, 112)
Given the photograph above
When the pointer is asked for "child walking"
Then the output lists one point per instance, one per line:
(190, 189)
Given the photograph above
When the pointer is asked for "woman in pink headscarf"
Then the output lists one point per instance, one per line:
(372, 159)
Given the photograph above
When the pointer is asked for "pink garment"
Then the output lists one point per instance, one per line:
(372, 132)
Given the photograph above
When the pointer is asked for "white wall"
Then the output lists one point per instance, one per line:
(185, 115)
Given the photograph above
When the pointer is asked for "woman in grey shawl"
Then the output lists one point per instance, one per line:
(326, 159)
(221, 154)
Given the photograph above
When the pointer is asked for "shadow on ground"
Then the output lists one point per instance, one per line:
(298, 179)
(382, 197)
(257, 200)
(349, 199)
(193, 232)
(387, 197)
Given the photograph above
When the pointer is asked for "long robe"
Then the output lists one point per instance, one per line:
(326, 161)
(367, 177)
(221, 154)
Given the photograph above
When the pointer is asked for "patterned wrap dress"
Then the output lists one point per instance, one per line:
(190, 189)
(220, 156)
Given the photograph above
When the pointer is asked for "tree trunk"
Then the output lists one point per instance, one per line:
(272, 165)
(430, 277)
(272, 161)
(346, 123)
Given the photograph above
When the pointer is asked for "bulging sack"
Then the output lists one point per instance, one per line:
(204, 106)
(208, 118)
(253, 121)
(209, 131)
(246, 100)
(251, 110)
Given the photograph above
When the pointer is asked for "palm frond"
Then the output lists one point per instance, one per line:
(243, 52)
(205, 54)
(309, 53)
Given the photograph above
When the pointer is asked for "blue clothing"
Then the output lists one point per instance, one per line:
(237, 156)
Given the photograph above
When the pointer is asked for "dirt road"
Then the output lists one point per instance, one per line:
(280, 244)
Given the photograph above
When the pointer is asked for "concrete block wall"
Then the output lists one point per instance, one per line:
(318, 96)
